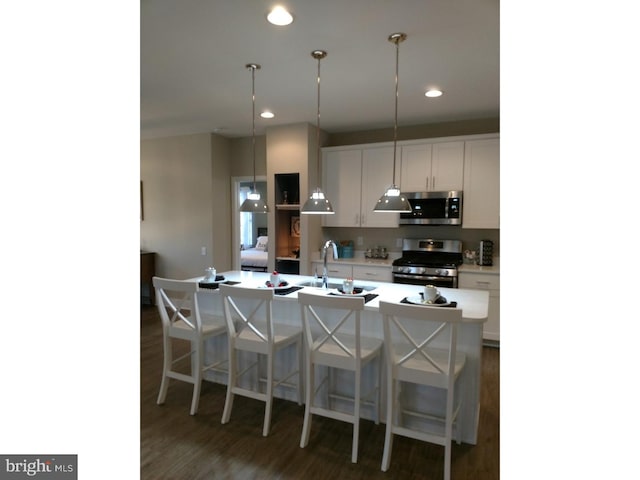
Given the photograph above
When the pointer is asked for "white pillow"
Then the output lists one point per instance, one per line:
(261, 244)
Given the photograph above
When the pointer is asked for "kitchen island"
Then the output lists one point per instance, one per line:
(474, 305)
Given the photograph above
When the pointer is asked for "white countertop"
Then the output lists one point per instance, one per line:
(493, 270)
(474, 303)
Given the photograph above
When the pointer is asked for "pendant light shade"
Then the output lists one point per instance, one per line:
(317, 203)
(253, 203)
(393, 201)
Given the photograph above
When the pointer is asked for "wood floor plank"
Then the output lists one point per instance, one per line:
(175, 445)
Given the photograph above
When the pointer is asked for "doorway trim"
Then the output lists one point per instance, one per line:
(235, 216)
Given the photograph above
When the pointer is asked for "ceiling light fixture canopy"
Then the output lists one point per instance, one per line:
(393, 201)
(253, 203)
(317, 203)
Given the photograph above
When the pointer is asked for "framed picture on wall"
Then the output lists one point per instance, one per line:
(295, 226)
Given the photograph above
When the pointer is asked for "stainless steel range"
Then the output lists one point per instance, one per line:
(428, 261)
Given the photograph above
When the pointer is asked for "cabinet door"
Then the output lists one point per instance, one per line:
(377, 176)
(491, 330)
(481, 192)
(415, 170)
(478, 281)
(334, 270)
(342, 179)
(447, 166)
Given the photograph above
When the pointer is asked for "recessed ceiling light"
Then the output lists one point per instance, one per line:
(433, 93)
(279, 16)
(267, 114)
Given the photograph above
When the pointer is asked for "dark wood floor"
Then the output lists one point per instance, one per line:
(175, 445)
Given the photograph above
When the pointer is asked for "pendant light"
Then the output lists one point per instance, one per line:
(317, 203)
(253, 203)
(393, 201)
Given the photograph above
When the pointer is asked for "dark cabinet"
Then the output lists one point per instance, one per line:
(147, 271)
(287, 223)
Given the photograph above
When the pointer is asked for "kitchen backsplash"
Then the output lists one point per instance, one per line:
(388, 237)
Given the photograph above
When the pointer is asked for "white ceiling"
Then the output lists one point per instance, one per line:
(194, 52)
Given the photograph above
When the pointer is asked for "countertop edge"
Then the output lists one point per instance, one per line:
(492, 270)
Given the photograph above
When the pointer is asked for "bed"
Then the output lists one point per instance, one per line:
(255, 258)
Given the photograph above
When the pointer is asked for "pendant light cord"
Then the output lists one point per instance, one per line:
(253, 120)
(395, 121)
(253, 203)
(318, 55)
(396, 38)
(318, 129)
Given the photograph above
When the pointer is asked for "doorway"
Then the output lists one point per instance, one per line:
(246, 226)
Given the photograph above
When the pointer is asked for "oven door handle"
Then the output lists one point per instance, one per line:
(421, 277)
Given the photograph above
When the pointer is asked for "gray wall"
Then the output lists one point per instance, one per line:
(387, 237)
(414, 132)
(187, 195)
(186, 192)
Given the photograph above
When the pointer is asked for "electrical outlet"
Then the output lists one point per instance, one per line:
(398, 242)
(203, 251)
(359, 241)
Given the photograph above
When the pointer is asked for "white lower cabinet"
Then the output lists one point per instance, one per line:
(333, 270)
(490, 282)
(373, 273)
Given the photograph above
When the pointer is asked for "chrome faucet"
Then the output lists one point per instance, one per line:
(325, 278)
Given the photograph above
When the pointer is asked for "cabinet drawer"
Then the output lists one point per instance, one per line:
(478, 281)
(375, 274)
(333, 270)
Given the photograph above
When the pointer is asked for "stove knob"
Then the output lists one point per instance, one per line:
(444, 273)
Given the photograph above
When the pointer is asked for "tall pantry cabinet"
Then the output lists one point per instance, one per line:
(481, 190)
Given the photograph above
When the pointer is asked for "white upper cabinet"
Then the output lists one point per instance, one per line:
(481, 191)
(356, 176)
(342, 172)
(432, 167)
(354, 179)
(377, 176)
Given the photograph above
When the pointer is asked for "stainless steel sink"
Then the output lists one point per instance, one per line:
(332, 285)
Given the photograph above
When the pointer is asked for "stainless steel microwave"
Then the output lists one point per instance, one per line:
(433, 208)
